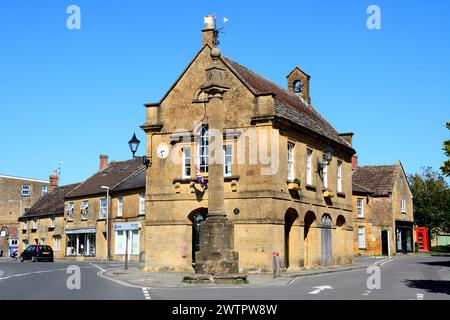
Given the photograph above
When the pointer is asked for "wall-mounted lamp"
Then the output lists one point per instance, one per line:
(134, 145)
(327, 157)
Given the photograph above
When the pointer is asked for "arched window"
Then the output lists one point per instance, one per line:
(203, 149)
(298, 86)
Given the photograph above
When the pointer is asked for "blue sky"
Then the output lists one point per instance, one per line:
(70, 95)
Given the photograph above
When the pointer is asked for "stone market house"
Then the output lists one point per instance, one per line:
(86, 210)
(309, 227)
(43, 223)
(383, 210)
(16, 196)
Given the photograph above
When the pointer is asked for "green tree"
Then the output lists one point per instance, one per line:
(445, 168)
(431, 199)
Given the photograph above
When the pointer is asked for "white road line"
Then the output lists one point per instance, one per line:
(146, 294)
(99, 268)
(387, 261)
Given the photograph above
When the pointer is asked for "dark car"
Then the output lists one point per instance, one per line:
(37, 252)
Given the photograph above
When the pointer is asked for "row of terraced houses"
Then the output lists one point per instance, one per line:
(318, 207)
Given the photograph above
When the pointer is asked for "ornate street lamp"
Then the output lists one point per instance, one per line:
(134, 144)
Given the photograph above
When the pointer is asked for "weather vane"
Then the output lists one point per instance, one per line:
(210, 22)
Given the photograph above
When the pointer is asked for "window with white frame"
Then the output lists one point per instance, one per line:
(44, 189)
(203, 149)
(142, 203)
(290, 160)
(25, 190)
(362, 237)
(186, 162)
(325, 177)
(102, 211)
(121, 240)
(70, 211)
(35, 223)
(228, 160)
(403, 206)
(360, 207)
(56, 243)
(52, 222)
(309, 167)
(119, 206)
(339, 176)
(84, 210)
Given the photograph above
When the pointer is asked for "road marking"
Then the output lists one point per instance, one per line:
(146, 294)
(295, 280)
(99, 268)
(387, 261)
(123, 283)
(319, 289)
(419, 296)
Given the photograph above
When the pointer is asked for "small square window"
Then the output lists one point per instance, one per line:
(25, 190)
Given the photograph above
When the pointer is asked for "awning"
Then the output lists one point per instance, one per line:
(81, 230)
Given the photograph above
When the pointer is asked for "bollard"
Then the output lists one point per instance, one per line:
(274, 264)
(278, 265)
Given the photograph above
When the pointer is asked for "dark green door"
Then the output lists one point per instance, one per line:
(198, 219)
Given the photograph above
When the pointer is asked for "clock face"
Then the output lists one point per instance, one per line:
(162, 151)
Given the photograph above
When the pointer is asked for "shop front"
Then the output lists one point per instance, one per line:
(404, 236)
(81, 242)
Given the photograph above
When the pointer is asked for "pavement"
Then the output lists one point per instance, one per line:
(135, 277)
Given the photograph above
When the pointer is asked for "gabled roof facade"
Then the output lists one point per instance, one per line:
(51, 203)
(115, 173)
(288, 105)
(379, 179)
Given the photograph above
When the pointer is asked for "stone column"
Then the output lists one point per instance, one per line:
(216, 261)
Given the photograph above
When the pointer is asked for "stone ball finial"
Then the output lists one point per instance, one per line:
(215, 53)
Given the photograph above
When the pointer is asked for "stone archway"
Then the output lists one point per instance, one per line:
(196, 217)
(309, 239)
(291, 239)
(326, 253)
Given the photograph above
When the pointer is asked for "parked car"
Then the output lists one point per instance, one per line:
(37, 252)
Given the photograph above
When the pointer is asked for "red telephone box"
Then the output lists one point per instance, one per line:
(422, 239)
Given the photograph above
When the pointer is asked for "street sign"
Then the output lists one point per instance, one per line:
(127, 226)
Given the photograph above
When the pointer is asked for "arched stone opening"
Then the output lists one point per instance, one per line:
(291, 238)
(196, 217)
(309, 239)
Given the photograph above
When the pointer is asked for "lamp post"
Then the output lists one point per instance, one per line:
(107, 222)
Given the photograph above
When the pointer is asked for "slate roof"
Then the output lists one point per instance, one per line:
(357, 188)
(115, 173)
(379, 179)
(50, 203)
(136, 181)
(287, 104)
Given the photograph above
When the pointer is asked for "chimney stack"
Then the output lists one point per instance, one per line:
(54, 180)
(354, 161)
(348, 137)
(103, 161)
(209, 33)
